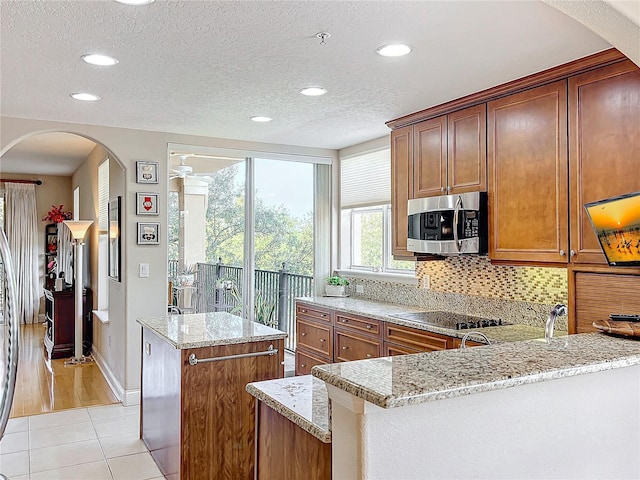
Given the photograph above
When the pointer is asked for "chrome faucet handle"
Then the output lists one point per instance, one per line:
(559, 310)
(463, 344)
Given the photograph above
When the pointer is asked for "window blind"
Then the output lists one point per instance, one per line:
(103, 196)
(365, 179)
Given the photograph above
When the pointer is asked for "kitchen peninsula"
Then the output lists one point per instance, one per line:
(196, 418)
(515, 409)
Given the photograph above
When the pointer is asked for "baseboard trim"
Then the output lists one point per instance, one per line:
(127, 397)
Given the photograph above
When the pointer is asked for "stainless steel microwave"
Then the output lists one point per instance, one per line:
(448, 224)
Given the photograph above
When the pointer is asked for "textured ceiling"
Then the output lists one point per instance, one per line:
(204, 68)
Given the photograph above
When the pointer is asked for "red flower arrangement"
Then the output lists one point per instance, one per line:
(56, 215)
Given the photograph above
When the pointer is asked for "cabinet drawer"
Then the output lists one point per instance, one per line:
(391, 350)
(458, 341)
(351, 346)
(305, 360)
(313, 313)
(314, 336)
(419, 339)
(360, 324)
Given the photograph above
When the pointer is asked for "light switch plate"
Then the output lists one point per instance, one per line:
(144, 270)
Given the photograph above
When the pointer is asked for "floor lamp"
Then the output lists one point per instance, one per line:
(78, 230)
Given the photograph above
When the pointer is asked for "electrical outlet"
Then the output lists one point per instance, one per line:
(425, 283)
(359, 288)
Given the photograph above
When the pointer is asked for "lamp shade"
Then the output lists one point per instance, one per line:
(78, 228)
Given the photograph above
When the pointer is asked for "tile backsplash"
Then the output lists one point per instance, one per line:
(473, 286)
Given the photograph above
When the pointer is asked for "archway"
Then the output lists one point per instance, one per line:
(67, 164)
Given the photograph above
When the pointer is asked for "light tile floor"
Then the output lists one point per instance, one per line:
(96, 443)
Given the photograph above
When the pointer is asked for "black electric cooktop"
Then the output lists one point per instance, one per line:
(456, 321)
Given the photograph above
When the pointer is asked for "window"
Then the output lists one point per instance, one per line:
(365, 225)
(103, 235)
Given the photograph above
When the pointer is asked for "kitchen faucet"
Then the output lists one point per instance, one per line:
(559, 309)
(467, 335)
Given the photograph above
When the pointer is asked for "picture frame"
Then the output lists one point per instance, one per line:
(114, 259)
(146, 203)
(148, 233)
(146, 172)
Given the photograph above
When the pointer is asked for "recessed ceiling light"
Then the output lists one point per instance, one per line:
(135, 2)
(313, 91)
(394, 50)
(86, 97)
(100, 60)
(260, 118)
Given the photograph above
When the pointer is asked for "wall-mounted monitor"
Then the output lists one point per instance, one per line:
(616, 222)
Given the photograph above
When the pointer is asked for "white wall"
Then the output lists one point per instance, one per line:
(137, 297)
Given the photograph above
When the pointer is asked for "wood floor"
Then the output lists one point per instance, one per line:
(48, 386)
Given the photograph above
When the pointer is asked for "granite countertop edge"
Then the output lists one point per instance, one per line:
(145, 322)
(320, 433)
(392, 401)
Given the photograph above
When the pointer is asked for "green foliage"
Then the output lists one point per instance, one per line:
(279, 236)
(263, 309)
(337, 280)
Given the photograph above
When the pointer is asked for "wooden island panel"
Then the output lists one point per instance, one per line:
(218, 414)
(287, 452)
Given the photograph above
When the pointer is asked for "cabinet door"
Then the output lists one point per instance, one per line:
(315, 337)
(527, 147)
(604, 148)
(467, 150)
(416, 339)
(430, 157)
(306, 360)
(350, 346)
(401, 188)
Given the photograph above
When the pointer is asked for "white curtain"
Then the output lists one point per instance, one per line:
(65, 253)
(22, 233)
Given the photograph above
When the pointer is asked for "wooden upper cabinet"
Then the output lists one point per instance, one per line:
(527, 169)
(604, 146)
(467, 150)
(450, 153)
(430, 157)
(401, 187)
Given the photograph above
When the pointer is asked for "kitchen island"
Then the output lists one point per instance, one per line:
(196, 418)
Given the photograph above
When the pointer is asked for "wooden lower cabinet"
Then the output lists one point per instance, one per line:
(458, 341)
(351, 346)
(416, 339)
(198, 421)
(285, 451)
(392, 349)
(306, 360)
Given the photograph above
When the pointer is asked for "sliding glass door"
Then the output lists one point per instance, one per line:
(248, 227)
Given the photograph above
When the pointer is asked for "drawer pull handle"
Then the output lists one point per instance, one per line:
(302, 365)
(303, 334)
(303, 310)
(344, 320)
(323, 315)
(345, 348)
(369, 355)
(322, 340)
(369, 327)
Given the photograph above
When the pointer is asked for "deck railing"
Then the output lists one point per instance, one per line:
(219, 288)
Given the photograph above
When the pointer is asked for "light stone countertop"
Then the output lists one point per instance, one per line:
(385, 311)
(412, 379)
(195, 330)
(303, 400)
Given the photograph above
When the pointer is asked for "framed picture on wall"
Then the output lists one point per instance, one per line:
(114, 238)
(146, 203)
(146, 172)
(148, 233)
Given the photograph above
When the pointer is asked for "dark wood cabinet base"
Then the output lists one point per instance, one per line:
(285, 451)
